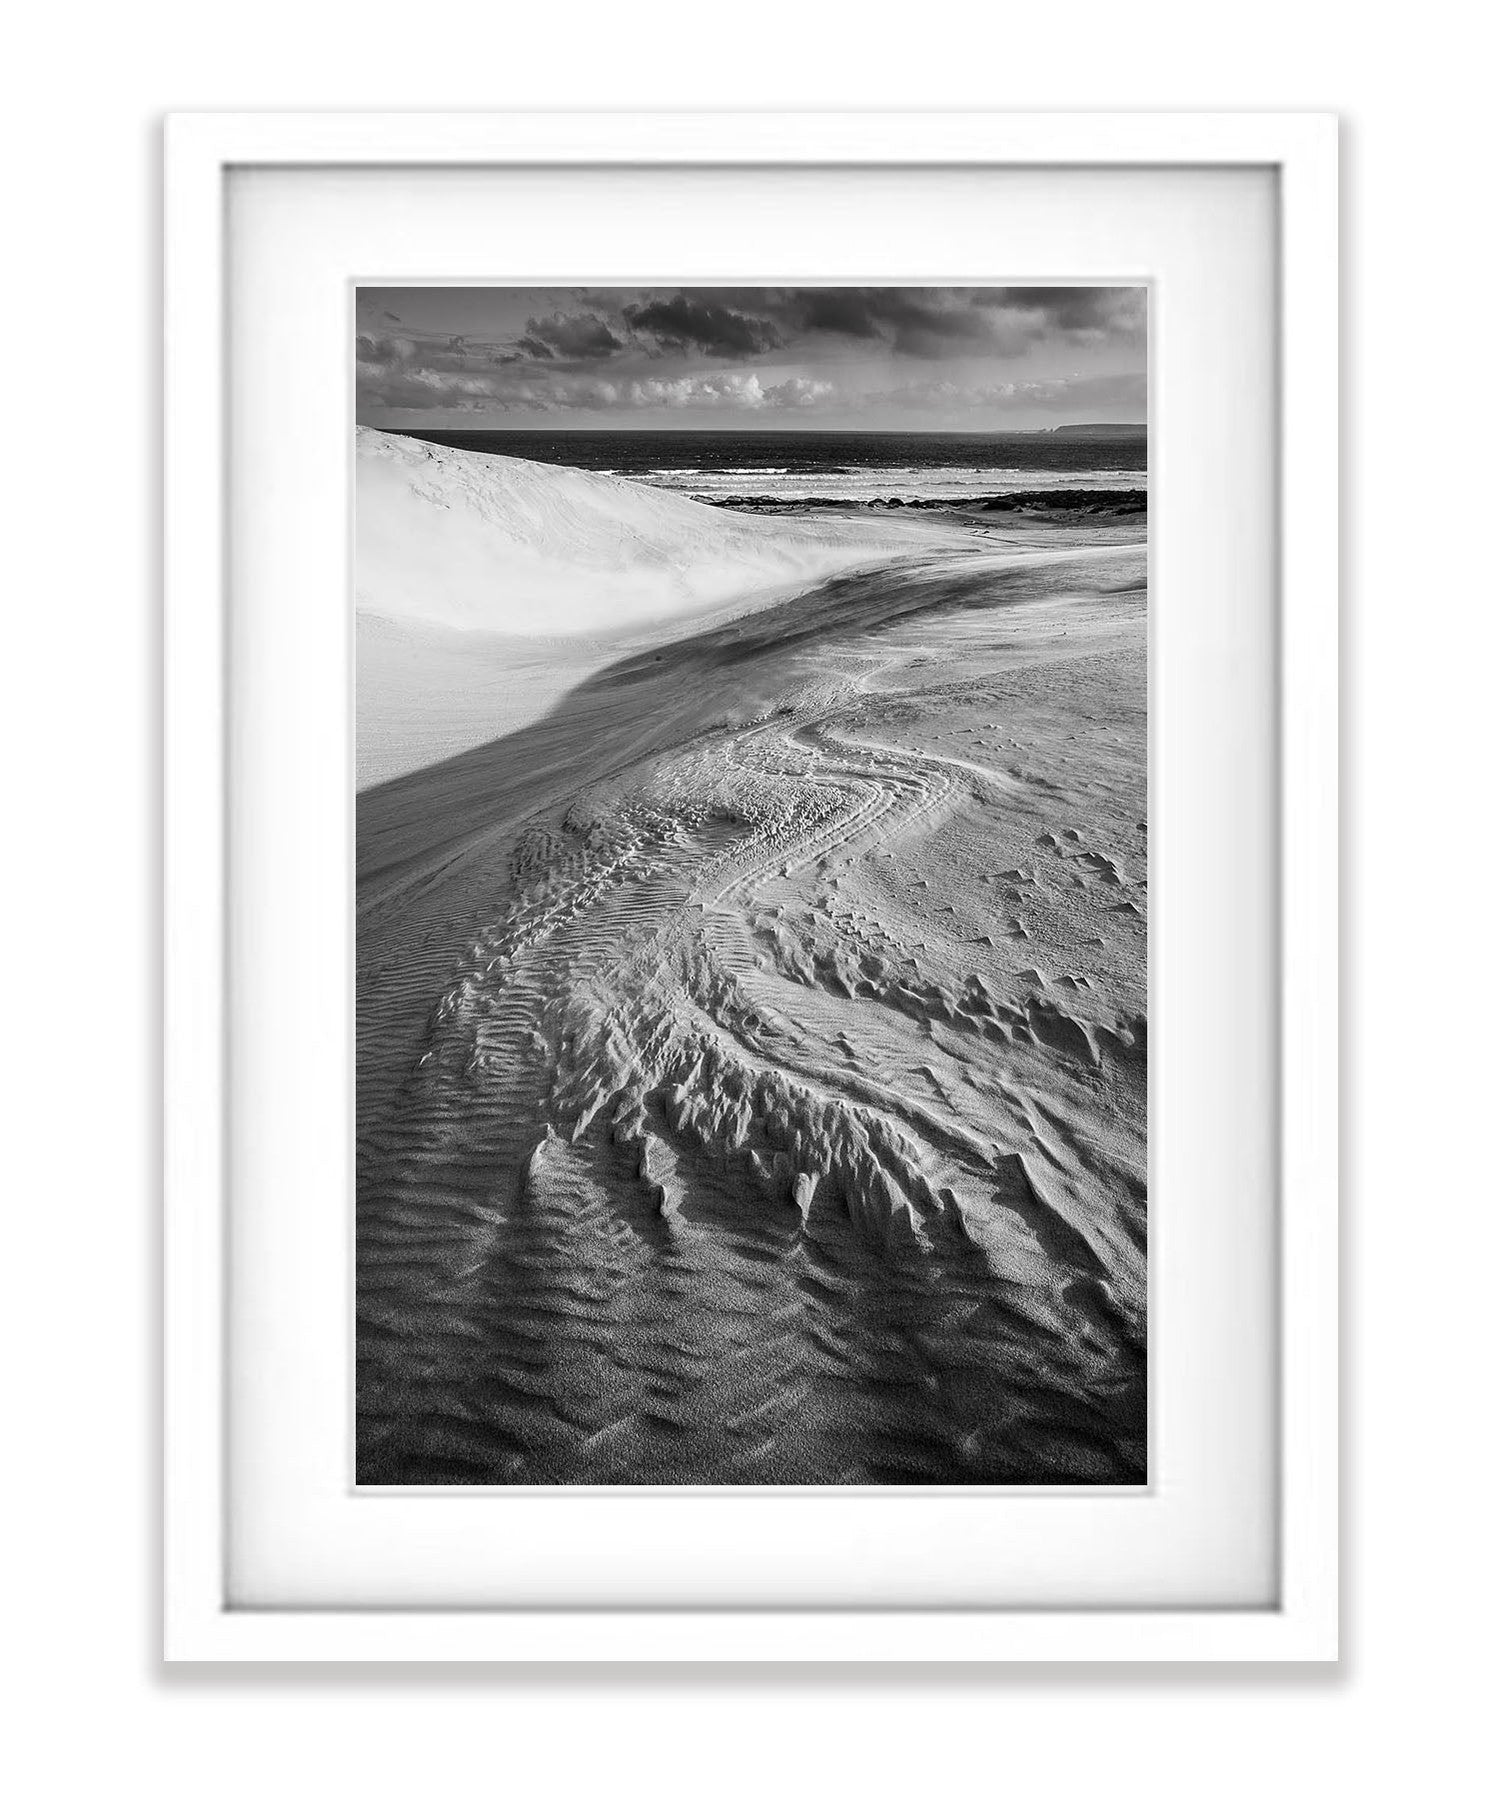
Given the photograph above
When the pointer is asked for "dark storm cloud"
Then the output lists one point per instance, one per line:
(1108, 311)
(575, 336)
(925, 323)
(842, 309)
(931, 323)
(931, 329)
(689, 322)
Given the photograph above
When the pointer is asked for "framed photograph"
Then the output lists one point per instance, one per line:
(751, 887)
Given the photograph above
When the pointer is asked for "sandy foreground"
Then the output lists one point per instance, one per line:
(751, 988)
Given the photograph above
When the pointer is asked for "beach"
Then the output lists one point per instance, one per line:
(751, 1040)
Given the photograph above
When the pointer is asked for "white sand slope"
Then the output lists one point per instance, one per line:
(494, 543)
(752, 1045)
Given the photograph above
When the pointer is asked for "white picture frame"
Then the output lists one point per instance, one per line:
(201, 1622)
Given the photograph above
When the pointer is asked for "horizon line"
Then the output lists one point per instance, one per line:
(782, 430)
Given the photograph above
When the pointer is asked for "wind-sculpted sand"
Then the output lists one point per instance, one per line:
(752, 1047)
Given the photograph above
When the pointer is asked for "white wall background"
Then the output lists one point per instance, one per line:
(91, 1711)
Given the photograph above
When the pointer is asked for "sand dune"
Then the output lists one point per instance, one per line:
(752, 1046)
(495, 543)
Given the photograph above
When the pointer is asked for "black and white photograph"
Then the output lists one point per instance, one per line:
(650, 655)
(751, 702)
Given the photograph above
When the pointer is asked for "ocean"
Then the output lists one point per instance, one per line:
(831, 465)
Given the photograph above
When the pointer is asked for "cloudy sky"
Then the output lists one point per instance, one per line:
(776, 358)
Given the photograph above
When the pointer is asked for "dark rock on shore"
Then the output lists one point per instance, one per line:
(1084, 502)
